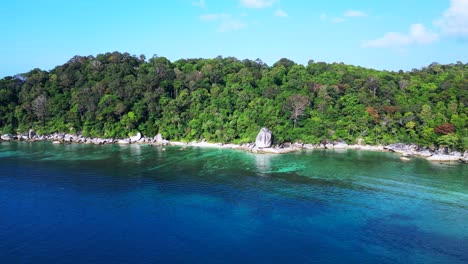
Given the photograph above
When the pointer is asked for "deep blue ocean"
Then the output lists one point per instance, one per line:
(146, 204)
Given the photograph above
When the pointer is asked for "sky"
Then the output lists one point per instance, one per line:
(384, 35)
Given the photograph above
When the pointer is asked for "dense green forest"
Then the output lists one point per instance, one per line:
(229, 100)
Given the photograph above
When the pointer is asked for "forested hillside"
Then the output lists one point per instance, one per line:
(228, 100)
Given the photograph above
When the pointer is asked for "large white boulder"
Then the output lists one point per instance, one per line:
(7, 137)
(263, 138)
(135, 138)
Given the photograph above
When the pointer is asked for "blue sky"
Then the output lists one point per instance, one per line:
(391, 35)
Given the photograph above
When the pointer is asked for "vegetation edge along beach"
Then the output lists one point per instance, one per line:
(226, 100)
(260, 146)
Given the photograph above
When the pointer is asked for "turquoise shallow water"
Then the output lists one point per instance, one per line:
(144, 204)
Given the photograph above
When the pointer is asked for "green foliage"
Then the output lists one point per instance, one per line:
(449, 140)
(228, 100)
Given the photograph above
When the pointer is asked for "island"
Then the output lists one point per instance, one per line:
(121, 98)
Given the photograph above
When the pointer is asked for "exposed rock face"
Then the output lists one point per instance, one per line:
(263, 138)
(440, 154)
(123, 141)
(340, 144)
(402, 148)
(158, 139)
(135, 138)
(31, 133)
(68, 137)
(465, 157)
(425, 153)
(7, 137)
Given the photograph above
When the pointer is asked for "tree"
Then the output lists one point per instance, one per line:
(450, 140)
(228, 100)
(120, 108)
(374, 84)
(372, 112)
(297, 104)
(39, 106)
(445, 129)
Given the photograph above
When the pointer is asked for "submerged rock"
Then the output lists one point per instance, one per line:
(404, 158)
(263, 138)
(442, 157)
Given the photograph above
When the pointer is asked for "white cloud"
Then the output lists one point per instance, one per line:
(420, 35)
(354, 13)
(214, 17)
(350, 14)
(257, 3)
(454, 21)
(230, 25)
(227, 22)
(200, 3)
(281, 13)
(417, 35)
(338, 20)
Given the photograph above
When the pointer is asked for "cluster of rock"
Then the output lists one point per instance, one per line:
(58, 138)
(263, 144)
(7, 137)
(440, 154)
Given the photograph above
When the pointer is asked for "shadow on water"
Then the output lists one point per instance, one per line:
(381, 232)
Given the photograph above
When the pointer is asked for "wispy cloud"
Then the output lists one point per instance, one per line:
(227, 22)
(454, 21)
(257, 3)
(281, 13)
(200, 3)
(230, 25)
(214, 17)
(354, 13)
(417, 34)
(348, 15)
(338, 20)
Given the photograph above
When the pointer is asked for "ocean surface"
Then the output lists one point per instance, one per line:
(145, 204)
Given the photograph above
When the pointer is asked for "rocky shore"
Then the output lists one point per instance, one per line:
(263, 144)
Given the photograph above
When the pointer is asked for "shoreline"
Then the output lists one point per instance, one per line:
(406, 151)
